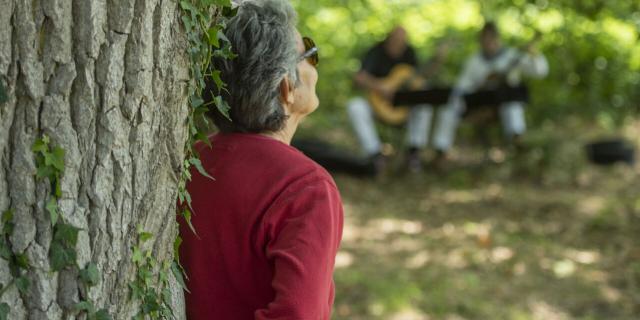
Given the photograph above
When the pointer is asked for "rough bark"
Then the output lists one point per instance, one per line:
(106, 80)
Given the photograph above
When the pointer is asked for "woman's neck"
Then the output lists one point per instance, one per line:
(286, 134)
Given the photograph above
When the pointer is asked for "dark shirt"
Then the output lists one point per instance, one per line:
(378, 63)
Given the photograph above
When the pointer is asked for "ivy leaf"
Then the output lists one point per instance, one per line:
(187, 217)
(212, 35)
(215, 76)
(66, 234)
(196, 101)
(102, 314)
(22, 261)
(198, 164)
(84, 306)
(52, 207)
(178, 274)
(45, 171)
(7, 216)
(201, 136)
(61, 257)
(176, 247)
(40, 146)
(23, 283)
(144, 236)
(222, 3)
(137, 256)
(4, 311)
(90, 275)
(58, 188)
(166, 299)
(57, 158)
(222, 106)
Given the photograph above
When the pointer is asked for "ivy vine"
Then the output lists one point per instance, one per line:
(203, 21)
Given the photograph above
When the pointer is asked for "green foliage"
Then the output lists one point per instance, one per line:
(151, 285)
(63, 248)
(4, 311)
(592, 48)
(50, 165)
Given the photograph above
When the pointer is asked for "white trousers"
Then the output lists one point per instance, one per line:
(511, 116)
(362, 119)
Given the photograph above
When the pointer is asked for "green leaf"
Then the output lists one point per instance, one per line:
(166, 299)
(61, 257)
(222, 106)
(58, 188)
(176, 248)
(22, 261)
(198, 164)
(102, 314)
(23, 283)
(40, 146)
(45, 171)
(222, 3)
(84, 306)
(52, 207)
(187, 217)
(215, 76)
(7, 216)
(66, 234)
(201, 136)
(90, 275)
(57, 158)
(145, 236)
(178, 274)
(137, 256)
(196, 101)
(4, 311)
(212, 36)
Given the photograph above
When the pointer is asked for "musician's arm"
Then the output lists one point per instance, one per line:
(534, 65)
(466, 80)
(368, 82)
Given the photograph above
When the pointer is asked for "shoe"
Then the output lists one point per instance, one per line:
(441, 159)
(378, 163)
(414, 163)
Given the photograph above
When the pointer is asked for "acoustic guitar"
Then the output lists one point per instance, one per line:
(402, 76)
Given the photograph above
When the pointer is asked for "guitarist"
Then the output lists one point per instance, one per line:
(377, 64)
(493, 59)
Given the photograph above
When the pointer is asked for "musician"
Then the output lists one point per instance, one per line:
(493, 58)
(377, 64)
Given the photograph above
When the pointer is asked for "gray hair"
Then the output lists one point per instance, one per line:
(263, 36)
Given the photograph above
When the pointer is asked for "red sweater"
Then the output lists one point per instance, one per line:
(268, 229)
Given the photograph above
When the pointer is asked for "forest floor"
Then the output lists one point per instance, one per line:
(539, 235)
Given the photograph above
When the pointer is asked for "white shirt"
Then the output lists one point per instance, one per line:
(477, 68)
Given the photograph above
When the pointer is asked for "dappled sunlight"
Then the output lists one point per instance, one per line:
(592, 206)
(541, 310)
(344, 259)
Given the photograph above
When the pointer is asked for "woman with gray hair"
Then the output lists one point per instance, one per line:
(269, 225)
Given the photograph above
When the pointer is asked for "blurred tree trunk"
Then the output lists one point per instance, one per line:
(106, 80)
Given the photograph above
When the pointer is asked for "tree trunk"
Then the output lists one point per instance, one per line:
(107, 81)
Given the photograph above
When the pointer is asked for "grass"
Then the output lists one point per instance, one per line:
(543, 235)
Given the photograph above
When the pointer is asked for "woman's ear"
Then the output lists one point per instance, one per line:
(286, 91)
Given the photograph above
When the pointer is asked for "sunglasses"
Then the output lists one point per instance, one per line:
(310, 51)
